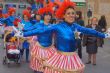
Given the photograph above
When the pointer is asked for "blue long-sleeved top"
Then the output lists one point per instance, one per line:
(10, 20)
(35, 21)
(65, 37)
(44, 39)
(27, 24)
(33, 26)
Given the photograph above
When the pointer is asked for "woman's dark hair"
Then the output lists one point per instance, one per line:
(8, 37)
(36, 15)
(102, 22)
(42, 17)
(79, 13)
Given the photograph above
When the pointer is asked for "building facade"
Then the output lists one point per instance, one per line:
(100, 7)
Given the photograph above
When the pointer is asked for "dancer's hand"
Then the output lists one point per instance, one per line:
(107, 35)
(19, 34)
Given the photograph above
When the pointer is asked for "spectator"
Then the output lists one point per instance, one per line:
(91, 42)
(103, 24)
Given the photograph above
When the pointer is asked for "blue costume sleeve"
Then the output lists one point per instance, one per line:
(88, 31)
(38, 31)
(31, 27)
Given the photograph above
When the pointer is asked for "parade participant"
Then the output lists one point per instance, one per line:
(26, 19)
(11, 18)
(65, 60)
(44, 47)
(36, 18)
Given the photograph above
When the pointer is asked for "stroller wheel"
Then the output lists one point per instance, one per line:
(4, 60)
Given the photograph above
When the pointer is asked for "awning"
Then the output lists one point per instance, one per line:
(80, 2)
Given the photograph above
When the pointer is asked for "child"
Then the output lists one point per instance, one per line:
(11, 44)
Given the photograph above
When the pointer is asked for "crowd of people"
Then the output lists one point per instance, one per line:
(52, 37)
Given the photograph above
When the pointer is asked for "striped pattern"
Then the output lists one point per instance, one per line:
(38, 55)
(35, 64)
(44, 53)
(32, 59)
(60, 62)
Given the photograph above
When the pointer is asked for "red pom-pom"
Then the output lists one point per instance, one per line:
(27, 13)
(46, 10)
(40, 11)
(11, 9)
(16, 22)
(63, 7)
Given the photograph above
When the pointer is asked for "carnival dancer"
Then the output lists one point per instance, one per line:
(26, 19)
(43, 48)
(65, 60)
(11, 18)
(36, 18)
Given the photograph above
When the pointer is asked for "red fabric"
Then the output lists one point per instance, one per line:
(39, 1)
(11, 47)
(45, 10)
(16, 22)
(27, 13)
(11, 9)
(63, 7)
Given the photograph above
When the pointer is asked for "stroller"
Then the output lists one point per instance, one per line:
(12, 53)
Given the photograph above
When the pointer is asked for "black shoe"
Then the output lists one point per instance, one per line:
(88, 62)
(94, 64)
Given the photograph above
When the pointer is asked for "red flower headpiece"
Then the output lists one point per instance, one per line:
(40, 11)
(45, 10)
(11, 9)
(63, 7)
(27, 13)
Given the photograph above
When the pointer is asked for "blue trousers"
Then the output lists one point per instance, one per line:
(27, 53)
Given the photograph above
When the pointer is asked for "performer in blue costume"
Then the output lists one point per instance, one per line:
(36, 21)
(26, 19)
(43, 49)
(65, 60)
(36, 18)
(11, 18)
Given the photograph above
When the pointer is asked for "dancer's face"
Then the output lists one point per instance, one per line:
(69, 15)
(13, 13)
(25, 17)
(47, 18)
(38, 17)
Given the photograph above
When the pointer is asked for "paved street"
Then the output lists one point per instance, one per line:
(103, 62)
